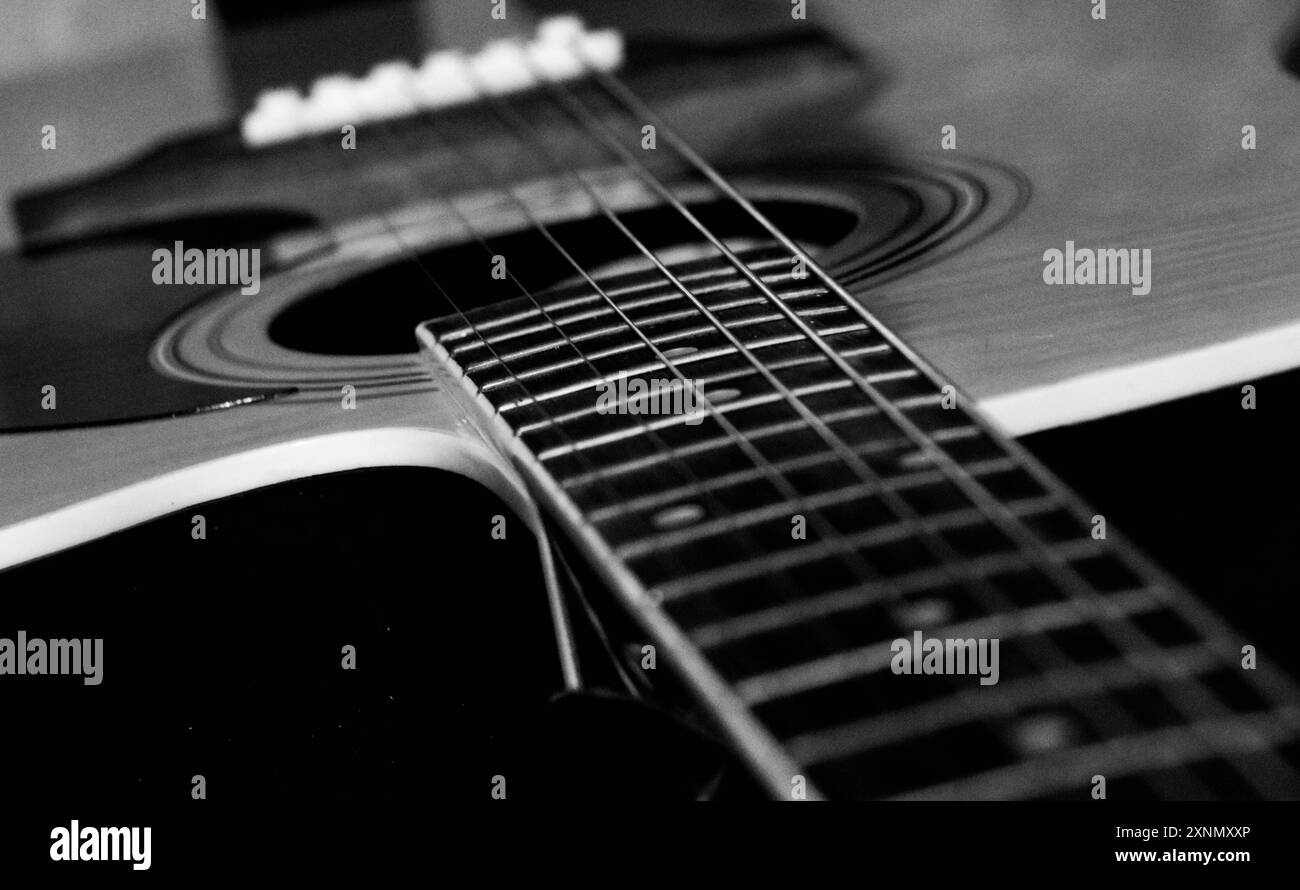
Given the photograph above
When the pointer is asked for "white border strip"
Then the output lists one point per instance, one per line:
(1103, 393)
(282, 462)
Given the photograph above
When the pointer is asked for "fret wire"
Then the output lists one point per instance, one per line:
(708, 380)
(640, 464)
(968, 705)
(700, 356)
(727, 408)
(589, 314)
(664, 498)
(605, 332)
(666, 341)
(648, 546)
(592, 314)
(1064, 574)
(728, 574)
(586, 298)
(786, 682)
(823, 605)
(932, 541)
(659, 363)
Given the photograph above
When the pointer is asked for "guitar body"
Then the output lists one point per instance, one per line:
(170, 400)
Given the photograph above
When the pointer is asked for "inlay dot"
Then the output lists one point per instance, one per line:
(680, 351)
(915, 460)
(1042, 733)
(923, 613)
(678, 516)
(717, 397)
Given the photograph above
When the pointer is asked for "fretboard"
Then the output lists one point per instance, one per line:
(833, 497)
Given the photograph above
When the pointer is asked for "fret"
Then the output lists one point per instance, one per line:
(712, 366)
(585, 475)
(707, 449)
(635, 358)
(1027, 694)
(824, 581)
(608, 473)
(627, 520)
(840, 667)
(873, 612)
(594, 322)
(729, 299)
(748, 411)
(664, 328)
(926, 587)
(1117, 758)
(451, 328)
(860, 497)
(861, 505)
(866, 543)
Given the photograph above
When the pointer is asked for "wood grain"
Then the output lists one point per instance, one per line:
(1130, 132)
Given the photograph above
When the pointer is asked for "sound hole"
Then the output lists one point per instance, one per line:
(376, 313)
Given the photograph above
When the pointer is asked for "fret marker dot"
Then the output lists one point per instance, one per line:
(914, 460)
(717, 397)
(680, 351)
(923, 613)
(676, 517)
(1042, 733)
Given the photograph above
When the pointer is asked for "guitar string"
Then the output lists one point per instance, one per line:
(1045, 644)
(1024, 537)
(1131, 632)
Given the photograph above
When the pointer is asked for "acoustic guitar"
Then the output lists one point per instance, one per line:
(637, 400)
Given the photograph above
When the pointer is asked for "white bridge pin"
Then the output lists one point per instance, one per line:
(335, 100)
(502, 67)
(444, 80)
(276, 117)
(562, 49)
(388, 91)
